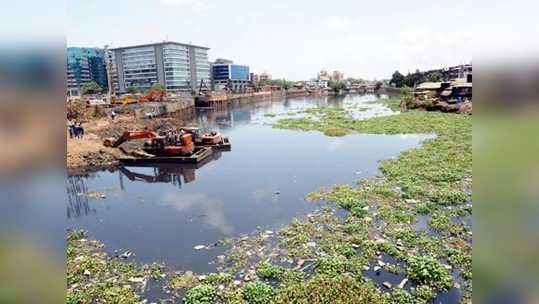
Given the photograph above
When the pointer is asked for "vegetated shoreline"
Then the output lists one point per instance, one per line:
(326, 258)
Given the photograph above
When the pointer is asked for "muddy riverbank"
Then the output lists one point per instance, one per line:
(89, 154)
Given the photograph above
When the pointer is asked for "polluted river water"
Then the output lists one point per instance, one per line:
(161, 213)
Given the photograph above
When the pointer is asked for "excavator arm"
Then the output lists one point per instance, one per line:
(129, 135)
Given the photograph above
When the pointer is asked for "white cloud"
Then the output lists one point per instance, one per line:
(334, 145)
(427, 48)
(337, 23)
(213, 209)
(195, 5)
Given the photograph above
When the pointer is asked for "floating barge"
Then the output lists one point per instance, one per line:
(198, 156)
(224, 145)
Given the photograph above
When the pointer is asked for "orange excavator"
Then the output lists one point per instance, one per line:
(158, 145)
(153, 95)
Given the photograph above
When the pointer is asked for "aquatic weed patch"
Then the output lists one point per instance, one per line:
(94, 277)
(330, 289)
(427, 270)
(257, 293)
(433, 180)
(201, 294)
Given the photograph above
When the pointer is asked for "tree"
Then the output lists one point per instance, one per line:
(157, 87)
(132, 90)
(336, 85)
(407, 97)
(91, 87)
(434, 76)
(378, 85)
(397, 79)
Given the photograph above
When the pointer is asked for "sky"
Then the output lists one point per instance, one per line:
(295, 39)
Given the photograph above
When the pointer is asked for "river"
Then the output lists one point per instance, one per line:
(161, 213)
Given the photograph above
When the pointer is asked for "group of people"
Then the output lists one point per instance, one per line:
(75, 129)
(175, 137)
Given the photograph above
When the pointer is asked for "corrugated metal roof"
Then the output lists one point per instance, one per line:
(462, 84)
(429, 86)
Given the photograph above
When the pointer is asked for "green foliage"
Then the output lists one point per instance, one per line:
(424, 293)
(92, 275)
(434, 76)
(336, 132)
(406, 93)
(346, 250)
(446, 196)
(354, 227)
(427, 270)
(218, 278)
(157, 87)
(330, 265)
(91, 87)
(285, 84)
(257, 293)
(397, 79)
(185, 280)
(296, 235)
(265, 270)
(346, 197)
(292, 276)
(201, 294)
(423, 208)
(132, 90)
(337, 85)
(323, 289)
(399, 296)
(440, 221)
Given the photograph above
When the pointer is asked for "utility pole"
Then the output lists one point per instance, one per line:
(108, 64)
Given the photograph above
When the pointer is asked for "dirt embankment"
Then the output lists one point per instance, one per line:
(442, 106)
(89, 153)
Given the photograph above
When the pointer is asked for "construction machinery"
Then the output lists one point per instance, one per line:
(153, 95)
(158, 145)
(210, 139)
(124, 99)
(201, 97)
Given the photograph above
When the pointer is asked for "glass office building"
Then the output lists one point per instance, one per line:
(85, 65)
(235, 77)
(176, 66)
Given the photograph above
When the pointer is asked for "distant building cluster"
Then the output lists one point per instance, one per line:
(178, 67)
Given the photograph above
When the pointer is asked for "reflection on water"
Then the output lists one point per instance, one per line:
(165, 173)
(77, 202)
(162, 212)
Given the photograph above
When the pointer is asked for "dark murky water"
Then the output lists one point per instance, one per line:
(161, 213)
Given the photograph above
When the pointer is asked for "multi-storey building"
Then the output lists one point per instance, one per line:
(176, 66)
(235, 77)
(85, 65)
(264, 77)
(254, 79)
(337, 76)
